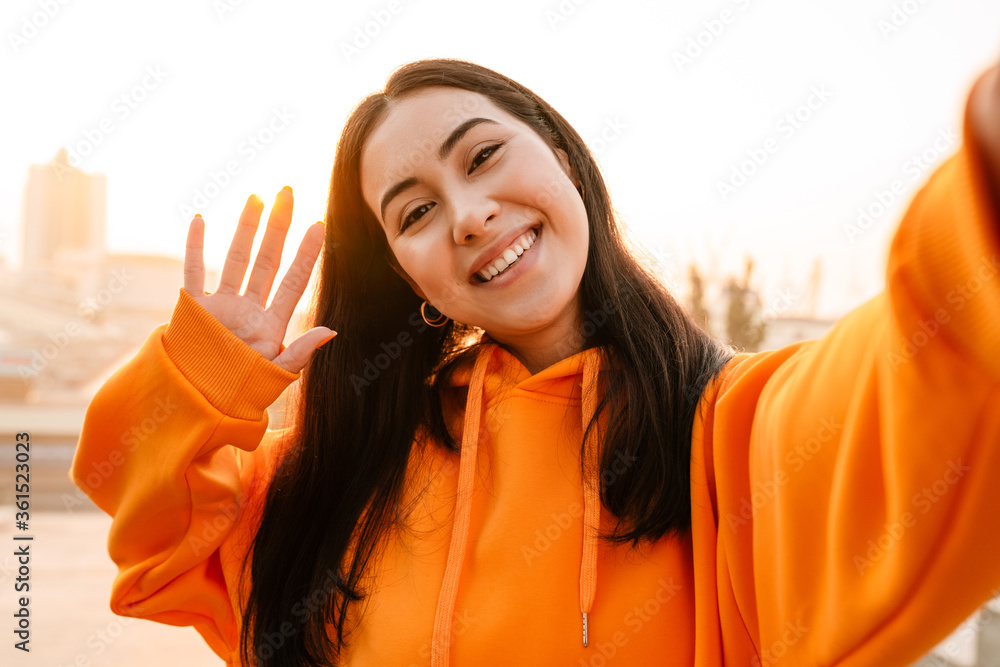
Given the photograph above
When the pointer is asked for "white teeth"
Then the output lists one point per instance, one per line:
(509, 256)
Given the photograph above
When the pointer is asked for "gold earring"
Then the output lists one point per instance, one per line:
(438, 320)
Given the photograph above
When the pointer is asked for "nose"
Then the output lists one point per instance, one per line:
(472, 212)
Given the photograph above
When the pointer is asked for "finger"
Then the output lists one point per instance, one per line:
(239, 250)
(297, 277)
(265, 267)
(295, 357)
(194, 257)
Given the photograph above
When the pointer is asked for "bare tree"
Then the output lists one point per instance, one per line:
(696, 299)
(745, 326)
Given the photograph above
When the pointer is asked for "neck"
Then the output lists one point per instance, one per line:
(539, 349)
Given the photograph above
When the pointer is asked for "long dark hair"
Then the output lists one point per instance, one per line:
(365, 397)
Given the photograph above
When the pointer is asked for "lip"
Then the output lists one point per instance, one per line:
(494, 250)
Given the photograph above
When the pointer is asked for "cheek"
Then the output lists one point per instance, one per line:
(425, 263)
(578, 231)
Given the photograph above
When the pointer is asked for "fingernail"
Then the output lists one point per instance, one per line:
(327, 340)
(197, 215)
(287, 187)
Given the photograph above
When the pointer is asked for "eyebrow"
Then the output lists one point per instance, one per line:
(443, 152)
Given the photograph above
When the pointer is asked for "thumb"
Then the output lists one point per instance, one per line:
(295, 357)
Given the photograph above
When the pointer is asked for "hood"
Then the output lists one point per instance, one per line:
(493, 372)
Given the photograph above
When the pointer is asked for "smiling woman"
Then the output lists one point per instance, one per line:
(493, 189)
(562, 468)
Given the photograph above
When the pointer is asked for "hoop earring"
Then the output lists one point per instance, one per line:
(438, 320)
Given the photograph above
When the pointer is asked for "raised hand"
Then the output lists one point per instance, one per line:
(247, 315)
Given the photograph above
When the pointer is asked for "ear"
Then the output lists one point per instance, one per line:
(570, 170)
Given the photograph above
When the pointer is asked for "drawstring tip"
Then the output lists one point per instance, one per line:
(584, 629)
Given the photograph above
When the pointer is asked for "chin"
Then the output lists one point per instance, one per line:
(527, 318)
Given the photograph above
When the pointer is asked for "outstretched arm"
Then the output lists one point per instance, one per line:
(856, 474)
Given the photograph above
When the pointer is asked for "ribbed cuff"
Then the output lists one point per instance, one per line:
(232, 376)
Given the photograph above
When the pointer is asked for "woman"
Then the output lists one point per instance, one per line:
(519, 449)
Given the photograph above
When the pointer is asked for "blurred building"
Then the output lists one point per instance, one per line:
(71, 315)
(73, 310)
(63, 223)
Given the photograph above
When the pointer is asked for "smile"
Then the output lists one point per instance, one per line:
(508, 257)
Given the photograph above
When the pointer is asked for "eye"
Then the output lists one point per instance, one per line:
(415, 215)
(483, 155)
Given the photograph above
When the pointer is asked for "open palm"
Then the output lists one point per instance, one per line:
(247, 315)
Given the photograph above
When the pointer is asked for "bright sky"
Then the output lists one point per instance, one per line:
(886, 79)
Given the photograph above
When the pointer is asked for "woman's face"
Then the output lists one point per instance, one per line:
(465, 191)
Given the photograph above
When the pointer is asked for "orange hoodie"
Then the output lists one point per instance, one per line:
(843, 498)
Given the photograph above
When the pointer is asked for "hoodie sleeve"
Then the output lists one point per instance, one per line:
(171, 448)
(857, 474)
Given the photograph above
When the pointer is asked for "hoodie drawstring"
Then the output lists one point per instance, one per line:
(591, 493)
(441, 636)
